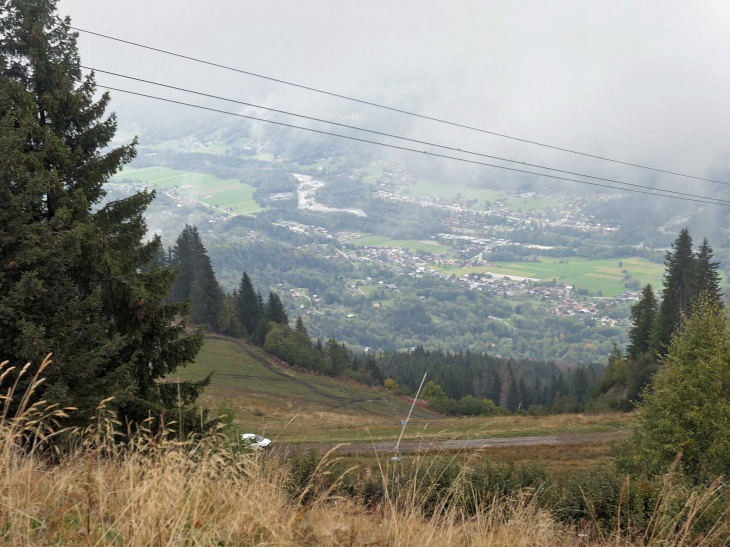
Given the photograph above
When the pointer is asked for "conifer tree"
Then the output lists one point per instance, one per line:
(525, 394)
(680, 290)
(275, 311)
(248, 304)
(708, 279)
(300, 326)
(643, 317)
(196, 280)
(72, 274)
(689, 409)
(513, 395)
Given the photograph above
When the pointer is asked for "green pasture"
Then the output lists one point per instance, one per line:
(373, 172)
(367, 290)
(528, 204)
(411, 244)
(594, 275)
(451, 190)
(207, 189)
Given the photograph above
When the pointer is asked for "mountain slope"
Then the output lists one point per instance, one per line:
(267, 396)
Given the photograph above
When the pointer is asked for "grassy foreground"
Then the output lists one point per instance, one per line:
(153, 489)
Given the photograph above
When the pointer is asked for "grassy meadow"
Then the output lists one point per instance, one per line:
(412, 245)
(293, 407)
(528, 204)
(157, 489)
(207, 189)
(281, 402)
(594, 275)
(452, 190)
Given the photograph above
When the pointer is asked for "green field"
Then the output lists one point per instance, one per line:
(373, 172)
(367, 290)
(208, 189)
(451, 190)
(594, 275)
(528, 204)
(411, 244)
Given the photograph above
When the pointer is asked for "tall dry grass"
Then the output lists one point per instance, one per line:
(152, 489)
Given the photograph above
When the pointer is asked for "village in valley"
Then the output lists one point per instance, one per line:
(474, 231)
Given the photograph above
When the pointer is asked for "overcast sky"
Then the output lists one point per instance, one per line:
(646, 82)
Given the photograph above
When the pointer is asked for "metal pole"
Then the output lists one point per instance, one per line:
(405, 423)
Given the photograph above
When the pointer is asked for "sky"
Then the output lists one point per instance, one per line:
(644, 82)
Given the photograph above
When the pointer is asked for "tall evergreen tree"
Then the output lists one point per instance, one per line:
(275, 311)
(525, 394)
(680, 290)
(196, 280)
(708, 279)
(643, 317)
(300, 326)
(72, 274)
(249, 312)
(513, 395)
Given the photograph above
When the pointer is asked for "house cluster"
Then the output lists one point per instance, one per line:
(304, 229)
(497, 216)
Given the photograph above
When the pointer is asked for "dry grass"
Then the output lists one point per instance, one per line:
(152, 490)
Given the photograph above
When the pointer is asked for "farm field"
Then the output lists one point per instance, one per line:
(412, 245)
(367, 290)
(450, 190)
(594, 275)
(208, 189)
(528, 204)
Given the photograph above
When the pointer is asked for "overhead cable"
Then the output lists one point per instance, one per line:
(390, 135)
(699, 199)
(393, 109)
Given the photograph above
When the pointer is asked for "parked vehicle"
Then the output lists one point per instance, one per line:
(251, 440)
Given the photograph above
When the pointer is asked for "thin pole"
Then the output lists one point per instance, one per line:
(405, 423)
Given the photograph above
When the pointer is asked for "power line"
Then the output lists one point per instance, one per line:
(393, 109)
(700, 199)
(381, 133)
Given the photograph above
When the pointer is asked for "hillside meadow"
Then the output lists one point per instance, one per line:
(153, 488)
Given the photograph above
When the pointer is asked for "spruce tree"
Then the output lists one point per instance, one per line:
(689, 409)
(196, 280)
(300, 326)
(248, 304)
(275, 311)
(72, 274)
(708, 279)
(513, 395)
(643, 317)
(680, 290)
(525, 394)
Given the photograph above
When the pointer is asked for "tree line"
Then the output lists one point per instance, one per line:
(690, 276)
(471, 383)
(246, 313)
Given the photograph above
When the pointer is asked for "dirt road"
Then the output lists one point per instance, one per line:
(437, 445)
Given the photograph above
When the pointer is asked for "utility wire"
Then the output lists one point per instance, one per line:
(381, 133)
(701, 199)
(393, 109)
